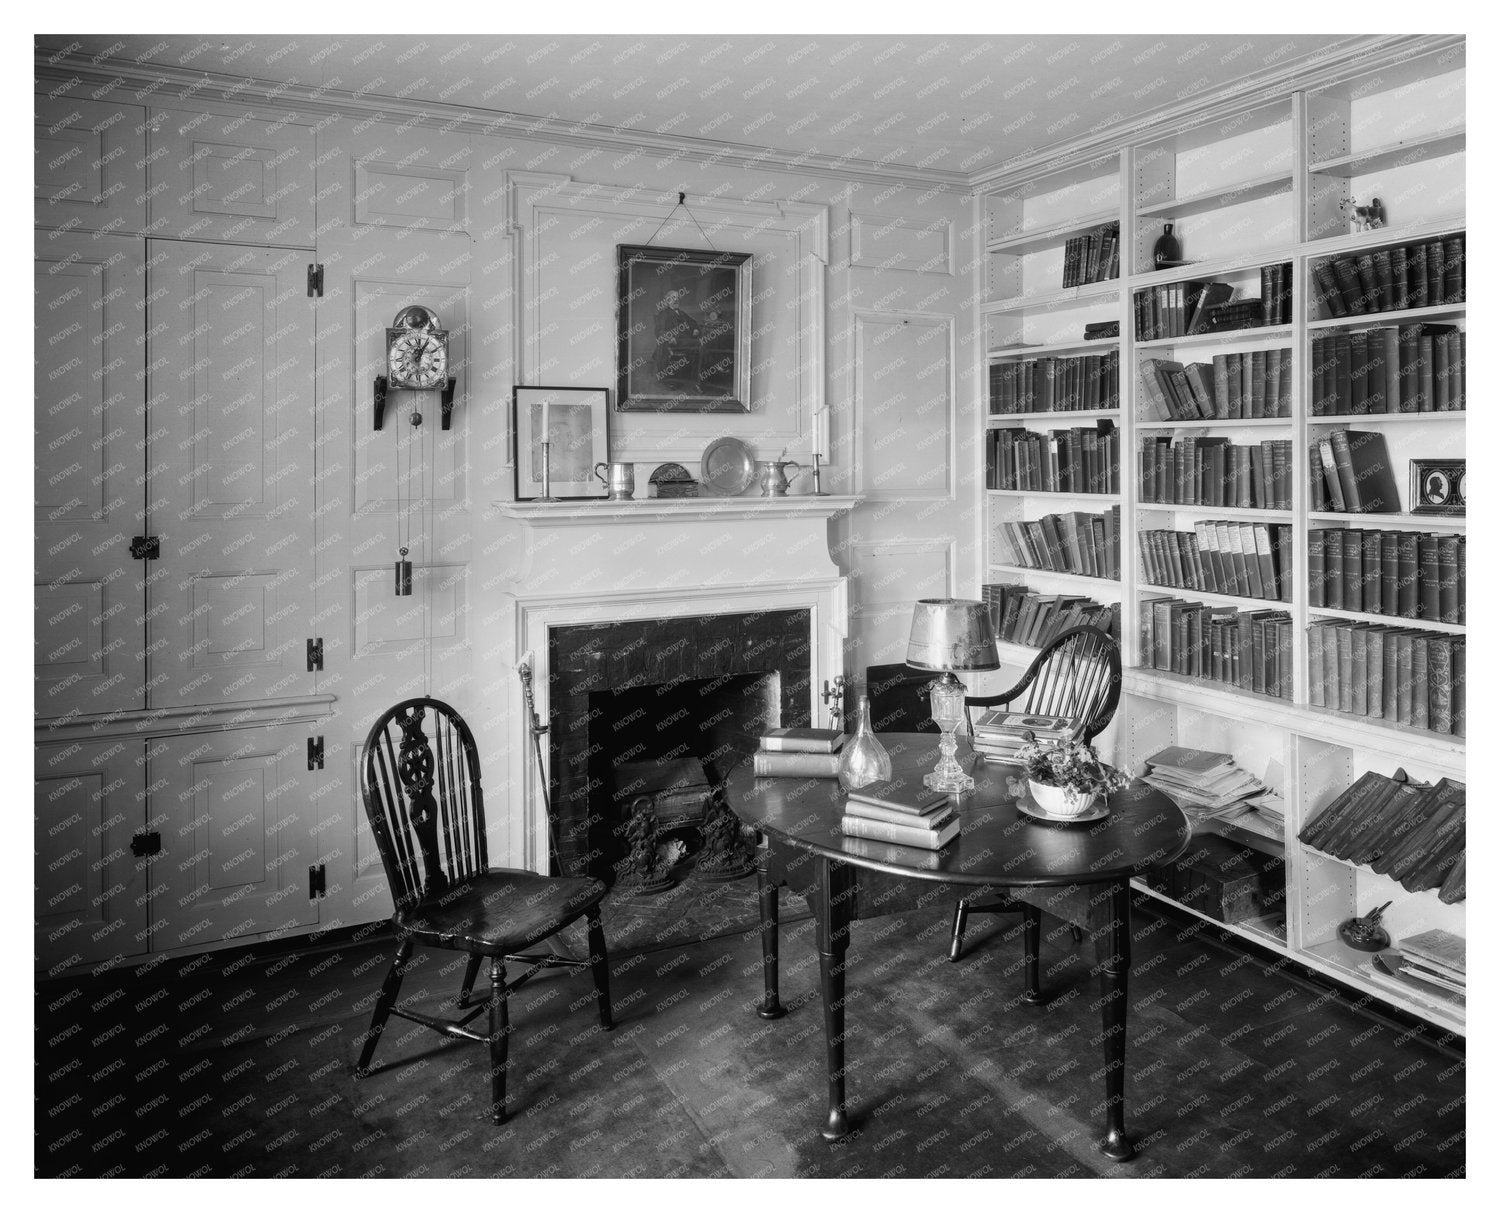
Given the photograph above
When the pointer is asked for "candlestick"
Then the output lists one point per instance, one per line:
(546, 473)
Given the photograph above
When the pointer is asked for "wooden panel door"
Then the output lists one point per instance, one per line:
(89, 630)
(236, 814)
(89, 888)
(240, 178)
(231, 414)
(90, 165)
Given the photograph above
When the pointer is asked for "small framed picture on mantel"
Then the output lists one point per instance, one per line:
(573, 422)
(684, 330)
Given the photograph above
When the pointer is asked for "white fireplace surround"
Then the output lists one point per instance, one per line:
(584, 562)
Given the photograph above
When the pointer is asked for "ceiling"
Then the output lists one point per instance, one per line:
(952, 104)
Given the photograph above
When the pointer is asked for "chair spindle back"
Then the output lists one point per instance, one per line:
(423, 799)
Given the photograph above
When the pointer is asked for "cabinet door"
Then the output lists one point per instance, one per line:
(236, 814)
(90, 165)
(242, 178)
(89, 888)
(230, 407)
(89, 465)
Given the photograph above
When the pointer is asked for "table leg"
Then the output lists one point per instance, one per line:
(1113, 982)
(1031, 934)
(835, 911)
(770, 940)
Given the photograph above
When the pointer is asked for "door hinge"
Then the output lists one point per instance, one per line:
(317, 882)
(145, 547)
(314, 654)
(314, 753)
(148, 842)
(315, 281)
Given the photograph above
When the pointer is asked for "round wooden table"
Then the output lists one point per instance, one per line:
(1079, 872)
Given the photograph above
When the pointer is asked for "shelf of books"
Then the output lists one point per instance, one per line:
(1289, 600)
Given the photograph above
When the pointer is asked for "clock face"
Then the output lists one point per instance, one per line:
(418, 359)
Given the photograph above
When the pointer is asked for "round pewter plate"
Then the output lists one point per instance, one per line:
(728, 467)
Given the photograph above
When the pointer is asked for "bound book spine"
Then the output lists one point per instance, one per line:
(820, 766)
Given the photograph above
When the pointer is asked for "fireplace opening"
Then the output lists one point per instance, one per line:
(663, 708)
(664, 749)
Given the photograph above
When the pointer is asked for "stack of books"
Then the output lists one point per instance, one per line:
(1409, 574)
(1438, 957)
(1251, 650)
(1056, 385)
(1093, 256)
(1211, 470)
(1000, 734)
(1411, 832)
(1209, 787)
(799, 753)
(1185, 309)
(1407, 675)
(1066, 543)
(1024, 617)
(1426, 274)
(1351, 474)
(895, 812)
(1431, 969)
(1077, 460)
(1257, 383)
(1416, 368)
(1247, 559)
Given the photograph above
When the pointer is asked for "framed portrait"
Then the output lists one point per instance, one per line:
(684, 331)
(574, 421)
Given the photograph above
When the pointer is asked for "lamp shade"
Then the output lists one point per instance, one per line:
(951, 634)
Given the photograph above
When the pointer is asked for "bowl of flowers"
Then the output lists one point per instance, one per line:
(1066, 778)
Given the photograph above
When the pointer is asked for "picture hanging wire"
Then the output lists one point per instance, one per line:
(682, 202)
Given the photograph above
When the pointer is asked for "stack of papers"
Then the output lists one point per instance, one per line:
(1201, 779)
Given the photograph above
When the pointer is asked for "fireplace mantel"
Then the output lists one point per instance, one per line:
(600, 512)
(597, 561)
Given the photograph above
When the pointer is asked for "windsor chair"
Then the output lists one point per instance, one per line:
(424, 801)
(1077, 675)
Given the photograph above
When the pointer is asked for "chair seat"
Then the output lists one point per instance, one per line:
(500, 911)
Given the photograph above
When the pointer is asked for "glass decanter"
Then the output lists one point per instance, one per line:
(863, 759)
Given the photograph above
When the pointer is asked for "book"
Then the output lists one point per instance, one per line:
(1366, 481)
(904, 795)
(803, 741)
(768, 764)
(929, 818)
(907, 836)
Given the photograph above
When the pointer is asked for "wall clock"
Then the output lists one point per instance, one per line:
(416, 360)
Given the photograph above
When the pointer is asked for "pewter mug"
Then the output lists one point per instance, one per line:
(620, 482)
(773, 478)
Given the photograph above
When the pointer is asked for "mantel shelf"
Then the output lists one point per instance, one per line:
(594, 512)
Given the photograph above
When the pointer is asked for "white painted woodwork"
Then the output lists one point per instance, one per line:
(395, 211)
(90, 891)
(89, 172)
(89, 463)
(904, 408)
(237, 818)
(231, 473)
(240, 178)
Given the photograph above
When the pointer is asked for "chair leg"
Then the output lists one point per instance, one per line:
(499, 1039)
(383, 1005)
(466, 991)
(599, 959)
(1031, 932)
(960, 920)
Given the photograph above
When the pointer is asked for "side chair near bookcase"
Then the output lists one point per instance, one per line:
(1077, 675)
(423, 798)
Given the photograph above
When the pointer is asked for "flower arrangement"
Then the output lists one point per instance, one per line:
(1073, 765)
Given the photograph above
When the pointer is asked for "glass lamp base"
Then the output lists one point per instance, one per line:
(941, 780)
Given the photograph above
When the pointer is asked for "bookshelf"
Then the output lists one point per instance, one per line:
(1257, 186)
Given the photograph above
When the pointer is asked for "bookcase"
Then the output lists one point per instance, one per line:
(1259, 194)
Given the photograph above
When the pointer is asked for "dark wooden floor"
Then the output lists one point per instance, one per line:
(233, 1064)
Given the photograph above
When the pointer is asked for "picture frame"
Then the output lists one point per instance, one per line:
(683, 320)
(577, 418)
(1439, 486)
